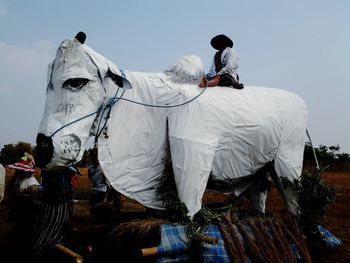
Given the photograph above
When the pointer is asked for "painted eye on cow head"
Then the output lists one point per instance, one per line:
(75, 84)
(115, 78)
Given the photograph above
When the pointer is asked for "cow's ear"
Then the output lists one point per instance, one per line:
(115, 78)
(119, 80)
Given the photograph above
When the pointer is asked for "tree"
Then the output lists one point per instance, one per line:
(12, 153)
(328, 157)
(315, 197)
(343, 157)
(7, 154)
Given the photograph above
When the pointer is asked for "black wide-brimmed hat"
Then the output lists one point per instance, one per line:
(221, 41)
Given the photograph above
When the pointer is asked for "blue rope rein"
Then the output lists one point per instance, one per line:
(109, 106)
(113, 101)
(163, 106)
(79, 119)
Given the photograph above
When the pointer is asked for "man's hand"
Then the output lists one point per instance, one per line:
(203, 83)
(211, 83)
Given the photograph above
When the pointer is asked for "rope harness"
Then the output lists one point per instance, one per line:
(113, 101)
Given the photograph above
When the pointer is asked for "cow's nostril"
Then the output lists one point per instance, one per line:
(43, 151)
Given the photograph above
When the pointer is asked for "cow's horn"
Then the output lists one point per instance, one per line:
(81, 36)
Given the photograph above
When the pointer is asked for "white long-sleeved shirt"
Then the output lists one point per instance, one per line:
(229, 58)
(27, 182)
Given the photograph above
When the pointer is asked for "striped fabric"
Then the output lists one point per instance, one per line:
(55, 210)
(214, 253)
(174, 245)
(53, 226)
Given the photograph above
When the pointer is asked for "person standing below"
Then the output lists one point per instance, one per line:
(223, 71)
(98, 187)
(22, 192)
(56, 211)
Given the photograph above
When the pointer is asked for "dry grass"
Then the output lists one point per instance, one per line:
(337, 219)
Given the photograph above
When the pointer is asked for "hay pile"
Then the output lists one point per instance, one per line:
(247, 237)
(258, 238)
(266, 239)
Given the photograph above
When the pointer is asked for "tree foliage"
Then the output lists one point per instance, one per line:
(328, 157)
(12, 153)
(314, 198)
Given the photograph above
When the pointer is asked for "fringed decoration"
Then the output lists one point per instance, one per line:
(137, 227)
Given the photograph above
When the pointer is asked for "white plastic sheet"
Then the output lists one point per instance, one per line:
(230, 132)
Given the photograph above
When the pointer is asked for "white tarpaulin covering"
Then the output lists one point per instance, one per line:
(230, 132)
(233, 133)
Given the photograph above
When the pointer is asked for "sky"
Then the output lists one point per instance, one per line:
(300, 46)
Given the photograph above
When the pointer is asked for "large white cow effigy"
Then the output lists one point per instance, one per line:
(223, 132)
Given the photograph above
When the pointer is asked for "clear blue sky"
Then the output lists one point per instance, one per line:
(300, 46)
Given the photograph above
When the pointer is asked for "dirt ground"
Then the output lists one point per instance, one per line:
(337, 219)
(85, 231)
